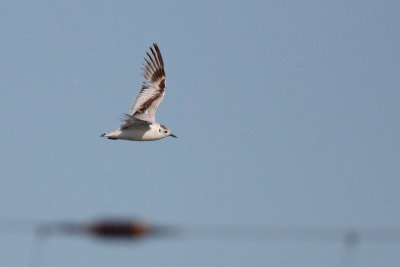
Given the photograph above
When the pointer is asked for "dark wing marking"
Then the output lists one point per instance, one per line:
(153, 89)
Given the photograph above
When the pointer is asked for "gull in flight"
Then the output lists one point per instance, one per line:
(140, 123)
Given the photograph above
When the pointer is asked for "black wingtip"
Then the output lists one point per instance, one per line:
(103, 135)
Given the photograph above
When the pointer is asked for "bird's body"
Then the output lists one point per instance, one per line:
(140, 124)
(138, 132)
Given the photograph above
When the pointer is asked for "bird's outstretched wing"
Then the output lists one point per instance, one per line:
(153, 89)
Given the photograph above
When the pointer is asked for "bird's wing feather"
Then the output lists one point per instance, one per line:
(131, 121)
(153, 89)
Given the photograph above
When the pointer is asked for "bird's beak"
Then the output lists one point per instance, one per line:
(173, 135)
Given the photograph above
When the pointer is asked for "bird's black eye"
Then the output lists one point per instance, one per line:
(159, 130)
(165, 131)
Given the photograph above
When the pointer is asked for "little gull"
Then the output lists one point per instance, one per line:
(140, 124)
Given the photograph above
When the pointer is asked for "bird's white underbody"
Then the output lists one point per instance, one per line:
(153, 132)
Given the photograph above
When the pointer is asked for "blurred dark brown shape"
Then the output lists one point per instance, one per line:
(119, 229)
(108, 229)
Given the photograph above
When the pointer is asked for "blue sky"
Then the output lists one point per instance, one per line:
(287, 113)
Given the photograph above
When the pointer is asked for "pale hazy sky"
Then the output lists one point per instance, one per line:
(287, 113)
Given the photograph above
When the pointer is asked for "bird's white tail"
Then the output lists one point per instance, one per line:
(112, 135)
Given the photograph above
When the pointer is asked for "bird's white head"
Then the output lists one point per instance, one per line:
(164, 131)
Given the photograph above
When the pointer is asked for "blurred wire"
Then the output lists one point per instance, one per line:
(133, 229)
(296, 233)
(117, 228)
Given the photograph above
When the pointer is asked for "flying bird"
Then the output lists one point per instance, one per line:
(140, 123)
